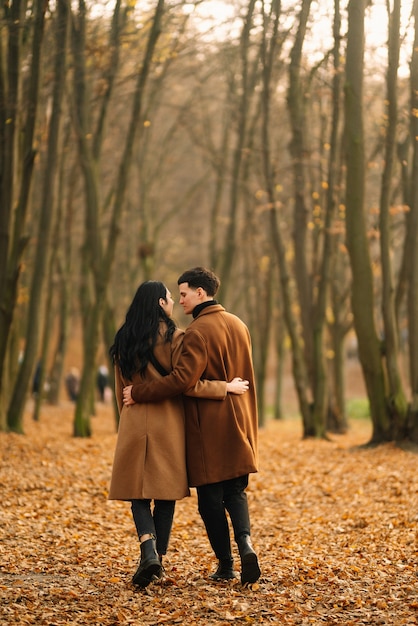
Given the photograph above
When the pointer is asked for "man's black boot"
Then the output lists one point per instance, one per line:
(225, 570)
(149, 567)
(250, 570)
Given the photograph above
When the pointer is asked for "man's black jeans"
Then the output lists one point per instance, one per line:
(214, 500)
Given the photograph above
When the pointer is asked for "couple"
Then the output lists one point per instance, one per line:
(213, 425)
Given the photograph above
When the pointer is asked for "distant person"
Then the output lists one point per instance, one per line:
(221, 437)
(102, 382)
(150, 457)
(72, 384)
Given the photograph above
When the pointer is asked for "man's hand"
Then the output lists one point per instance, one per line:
(237, 386)
(127, 396)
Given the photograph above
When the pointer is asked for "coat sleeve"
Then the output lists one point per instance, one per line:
(119, 385)
(188, 370)
(211, 389)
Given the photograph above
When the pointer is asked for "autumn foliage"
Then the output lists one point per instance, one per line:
(335, 524)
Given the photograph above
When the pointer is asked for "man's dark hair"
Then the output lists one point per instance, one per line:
(201, 277)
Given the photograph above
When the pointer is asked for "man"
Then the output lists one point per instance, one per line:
(221, 437)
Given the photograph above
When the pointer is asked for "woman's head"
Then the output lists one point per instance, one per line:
(151, 301)
(151, 305)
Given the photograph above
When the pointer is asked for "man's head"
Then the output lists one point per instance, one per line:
(196, 286)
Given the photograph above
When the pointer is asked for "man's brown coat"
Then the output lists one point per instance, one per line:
(221, 437)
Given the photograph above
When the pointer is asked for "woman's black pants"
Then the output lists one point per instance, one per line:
(157, 523)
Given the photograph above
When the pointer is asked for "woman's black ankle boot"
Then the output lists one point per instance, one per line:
(149, 566)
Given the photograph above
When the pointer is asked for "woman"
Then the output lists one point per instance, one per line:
(149, 462)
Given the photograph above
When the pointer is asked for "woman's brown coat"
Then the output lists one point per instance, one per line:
(150, 455)
(221, 436)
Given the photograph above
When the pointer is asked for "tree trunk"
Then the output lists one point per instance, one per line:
(92, 255)
(337, 417)
(12, 31)
(36, 301)
(261, 327)
(338, 332)
(220, 165)
(12, 240)
(362, 288)
(99, 261)
(320, 373)
(397, 401)
(41, 363)
(57, 367)
(413, 226)
(229, 244)
(62, 268)
(280, 358)
(296, 99)
(298, 363)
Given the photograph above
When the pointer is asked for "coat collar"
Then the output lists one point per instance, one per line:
(200, 309)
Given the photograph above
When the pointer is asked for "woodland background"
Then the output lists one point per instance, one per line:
(276, 142)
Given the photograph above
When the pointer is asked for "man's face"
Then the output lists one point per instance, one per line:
(189, 298)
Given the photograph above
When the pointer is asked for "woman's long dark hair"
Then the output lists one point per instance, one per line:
(136, 338)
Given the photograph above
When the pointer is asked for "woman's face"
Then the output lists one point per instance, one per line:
(168, 304)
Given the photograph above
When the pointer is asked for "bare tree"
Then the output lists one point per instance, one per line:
(15, 181)
(224, 267)
(61, 266)
(99, 259)
(320, 387)
(43, 250)
(413, 236)
(362, 299)
(298, 362)
(296, 100)
(397, 403)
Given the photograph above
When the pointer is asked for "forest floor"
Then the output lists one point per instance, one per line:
(335, 524)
